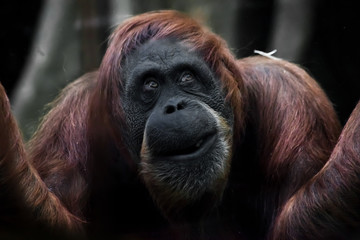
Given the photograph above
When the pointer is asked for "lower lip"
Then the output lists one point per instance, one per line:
(209, 142)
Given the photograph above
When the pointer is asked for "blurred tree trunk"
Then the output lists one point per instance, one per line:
(71, 40)
(293, 28)
(53, 62)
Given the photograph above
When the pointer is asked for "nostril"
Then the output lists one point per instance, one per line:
(180, 106)
(170, 109)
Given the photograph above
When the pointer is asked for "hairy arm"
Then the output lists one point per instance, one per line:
(59, 148)
(327, 207)
(24, 196)
(294, 123)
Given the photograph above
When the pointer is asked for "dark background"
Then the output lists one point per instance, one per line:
(18, 22)
(332, 55)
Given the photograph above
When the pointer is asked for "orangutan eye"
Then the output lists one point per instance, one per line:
(187, 77)
(150, 84)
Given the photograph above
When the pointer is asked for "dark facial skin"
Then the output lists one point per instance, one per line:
(179, 126)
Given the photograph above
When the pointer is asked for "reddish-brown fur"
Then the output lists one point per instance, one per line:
(23, 193)
(285, 130)
(296, 123)
(59, 148)
(327, 207)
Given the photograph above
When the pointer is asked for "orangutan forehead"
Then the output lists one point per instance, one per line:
(163, 50)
